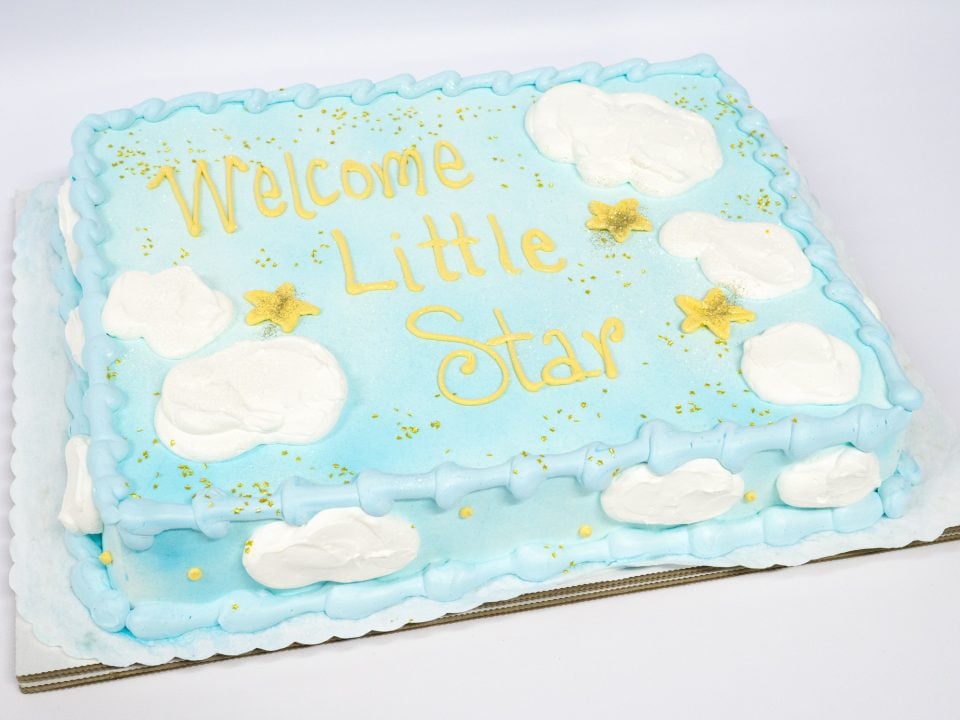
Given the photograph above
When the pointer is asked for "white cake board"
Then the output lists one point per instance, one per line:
(57, 645)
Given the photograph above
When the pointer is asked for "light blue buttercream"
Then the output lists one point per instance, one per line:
(663, 446)
(251, 611)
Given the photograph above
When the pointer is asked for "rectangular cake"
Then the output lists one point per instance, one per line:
(338, 350)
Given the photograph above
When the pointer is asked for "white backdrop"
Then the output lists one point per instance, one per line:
(864, 95)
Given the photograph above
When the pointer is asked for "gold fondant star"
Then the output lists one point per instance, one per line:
(280, 306)
(619, 220)
(714, 312)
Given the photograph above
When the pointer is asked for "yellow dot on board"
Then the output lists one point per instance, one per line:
(749, 496)
(394, 235)
(466, 512)
(106, 557)
(585, 531)
(194, 574)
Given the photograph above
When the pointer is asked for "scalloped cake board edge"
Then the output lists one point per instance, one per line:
(64, 672)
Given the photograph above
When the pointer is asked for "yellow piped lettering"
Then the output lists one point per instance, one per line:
(455, 163)
(272, 192)
(191, 215)
(354, 287)
(468, 358)
(321, 200)
(611, 331)
(568, 359)
(537, 241)
(295, 190)
(350, 167)
(408, 279)
(510, 339)
(402, 160)
(463, 243)
(502, 251)
(438, 244)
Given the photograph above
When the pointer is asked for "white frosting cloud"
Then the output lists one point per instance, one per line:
(615, 138)
(173, 310)
(68, 217)
(697, 490)
(282, 390)
(752, 259)
(835, 478)
(339, 545)
(799, 364)
(78, 514)
(76, 338)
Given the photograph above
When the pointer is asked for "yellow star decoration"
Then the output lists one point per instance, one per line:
(280, 306)
(619, 220)
(714, 312)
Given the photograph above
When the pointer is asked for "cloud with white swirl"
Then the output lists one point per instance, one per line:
(697, 490)
(614, 138)
(174, 311)
(836, 477)
(797, 363)
(339, 545)
(282, 390)
(754, 260)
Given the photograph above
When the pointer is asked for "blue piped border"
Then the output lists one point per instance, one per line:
(594, 466)
(246, 611)
(661, 445)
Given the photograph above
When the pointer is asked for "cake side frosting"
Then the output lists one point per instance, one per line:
(874, 420)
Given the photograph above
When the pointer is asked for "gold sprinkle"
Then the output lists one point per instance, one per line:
(585, 531)
(106, 557)
(749, 496)
(194, 574)
(466, 512)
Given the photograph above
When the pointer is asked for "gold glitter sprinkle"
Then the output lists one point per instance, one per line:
(585, 531)
(280, 307)
(714, 312)
(466, 512)
(749, 496)
(106, 557)
(194, 574)
(619, 220)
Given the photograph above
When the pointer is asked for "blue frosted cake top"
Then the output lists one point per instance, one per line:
(492, 332)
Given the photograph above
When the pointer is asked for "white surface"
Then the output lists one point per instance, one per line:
(68, 217)
(286, 389)
(174, 310)
(835, 478)
(614, 138)
(697, 490)
(797, 363)
(78, 513)
(339, 544)
(75, 336)
(875, 636)
(748, 259)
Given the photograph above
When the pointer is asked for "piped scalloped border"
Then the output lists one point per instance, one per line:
(658, 444)
(665, 445)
